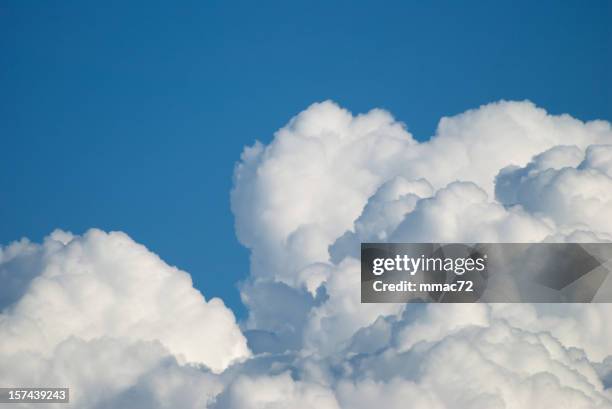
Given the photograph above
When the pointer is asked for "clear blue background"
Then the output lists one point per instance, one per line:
(131, 115)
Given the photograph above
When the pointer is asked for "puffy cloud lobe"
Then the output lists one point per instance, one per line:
(598, 157)
(394, 394)
(276, 392)
(388, 206)
(384, 211)
(581, 326)
(511, 176)
(279, 314)
(112, 373)
(462, 212)
(332, 324)
(571, 191)
(437, 322)
(475, 359)
(169, 386)
(105, 285)
(504, 367)
(476, 144)
(293, 198)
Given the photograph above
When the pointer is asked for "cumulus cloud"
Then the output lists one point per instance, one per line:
(104, 284)
(327, 181)
(103, 315)
(294, 197)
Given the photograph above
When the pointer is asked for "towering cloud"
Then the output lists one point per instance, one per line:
(505, 172)
(328, 180)
(296, 196)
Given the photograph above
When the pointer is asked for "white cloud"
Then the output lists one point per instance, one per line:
(505, 367)
(332, 324)
(276, 392)
(438, 321)
(462, 212)
(571, 192)
(106, 285)
(582, 326)
(323, 185)
(293, 198)
(394, 394)
(327, 181)
(112, 373)
(473, 359)
(296, 196)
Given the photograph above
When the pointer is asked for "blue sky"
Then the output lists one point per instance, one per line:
(131, 117)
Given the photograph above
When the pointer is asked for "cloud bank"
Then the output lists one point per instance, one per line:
(104, 315)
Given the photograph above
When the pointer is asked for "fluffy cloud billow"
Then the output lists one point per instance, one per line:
(105, 285)
(100, 311)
